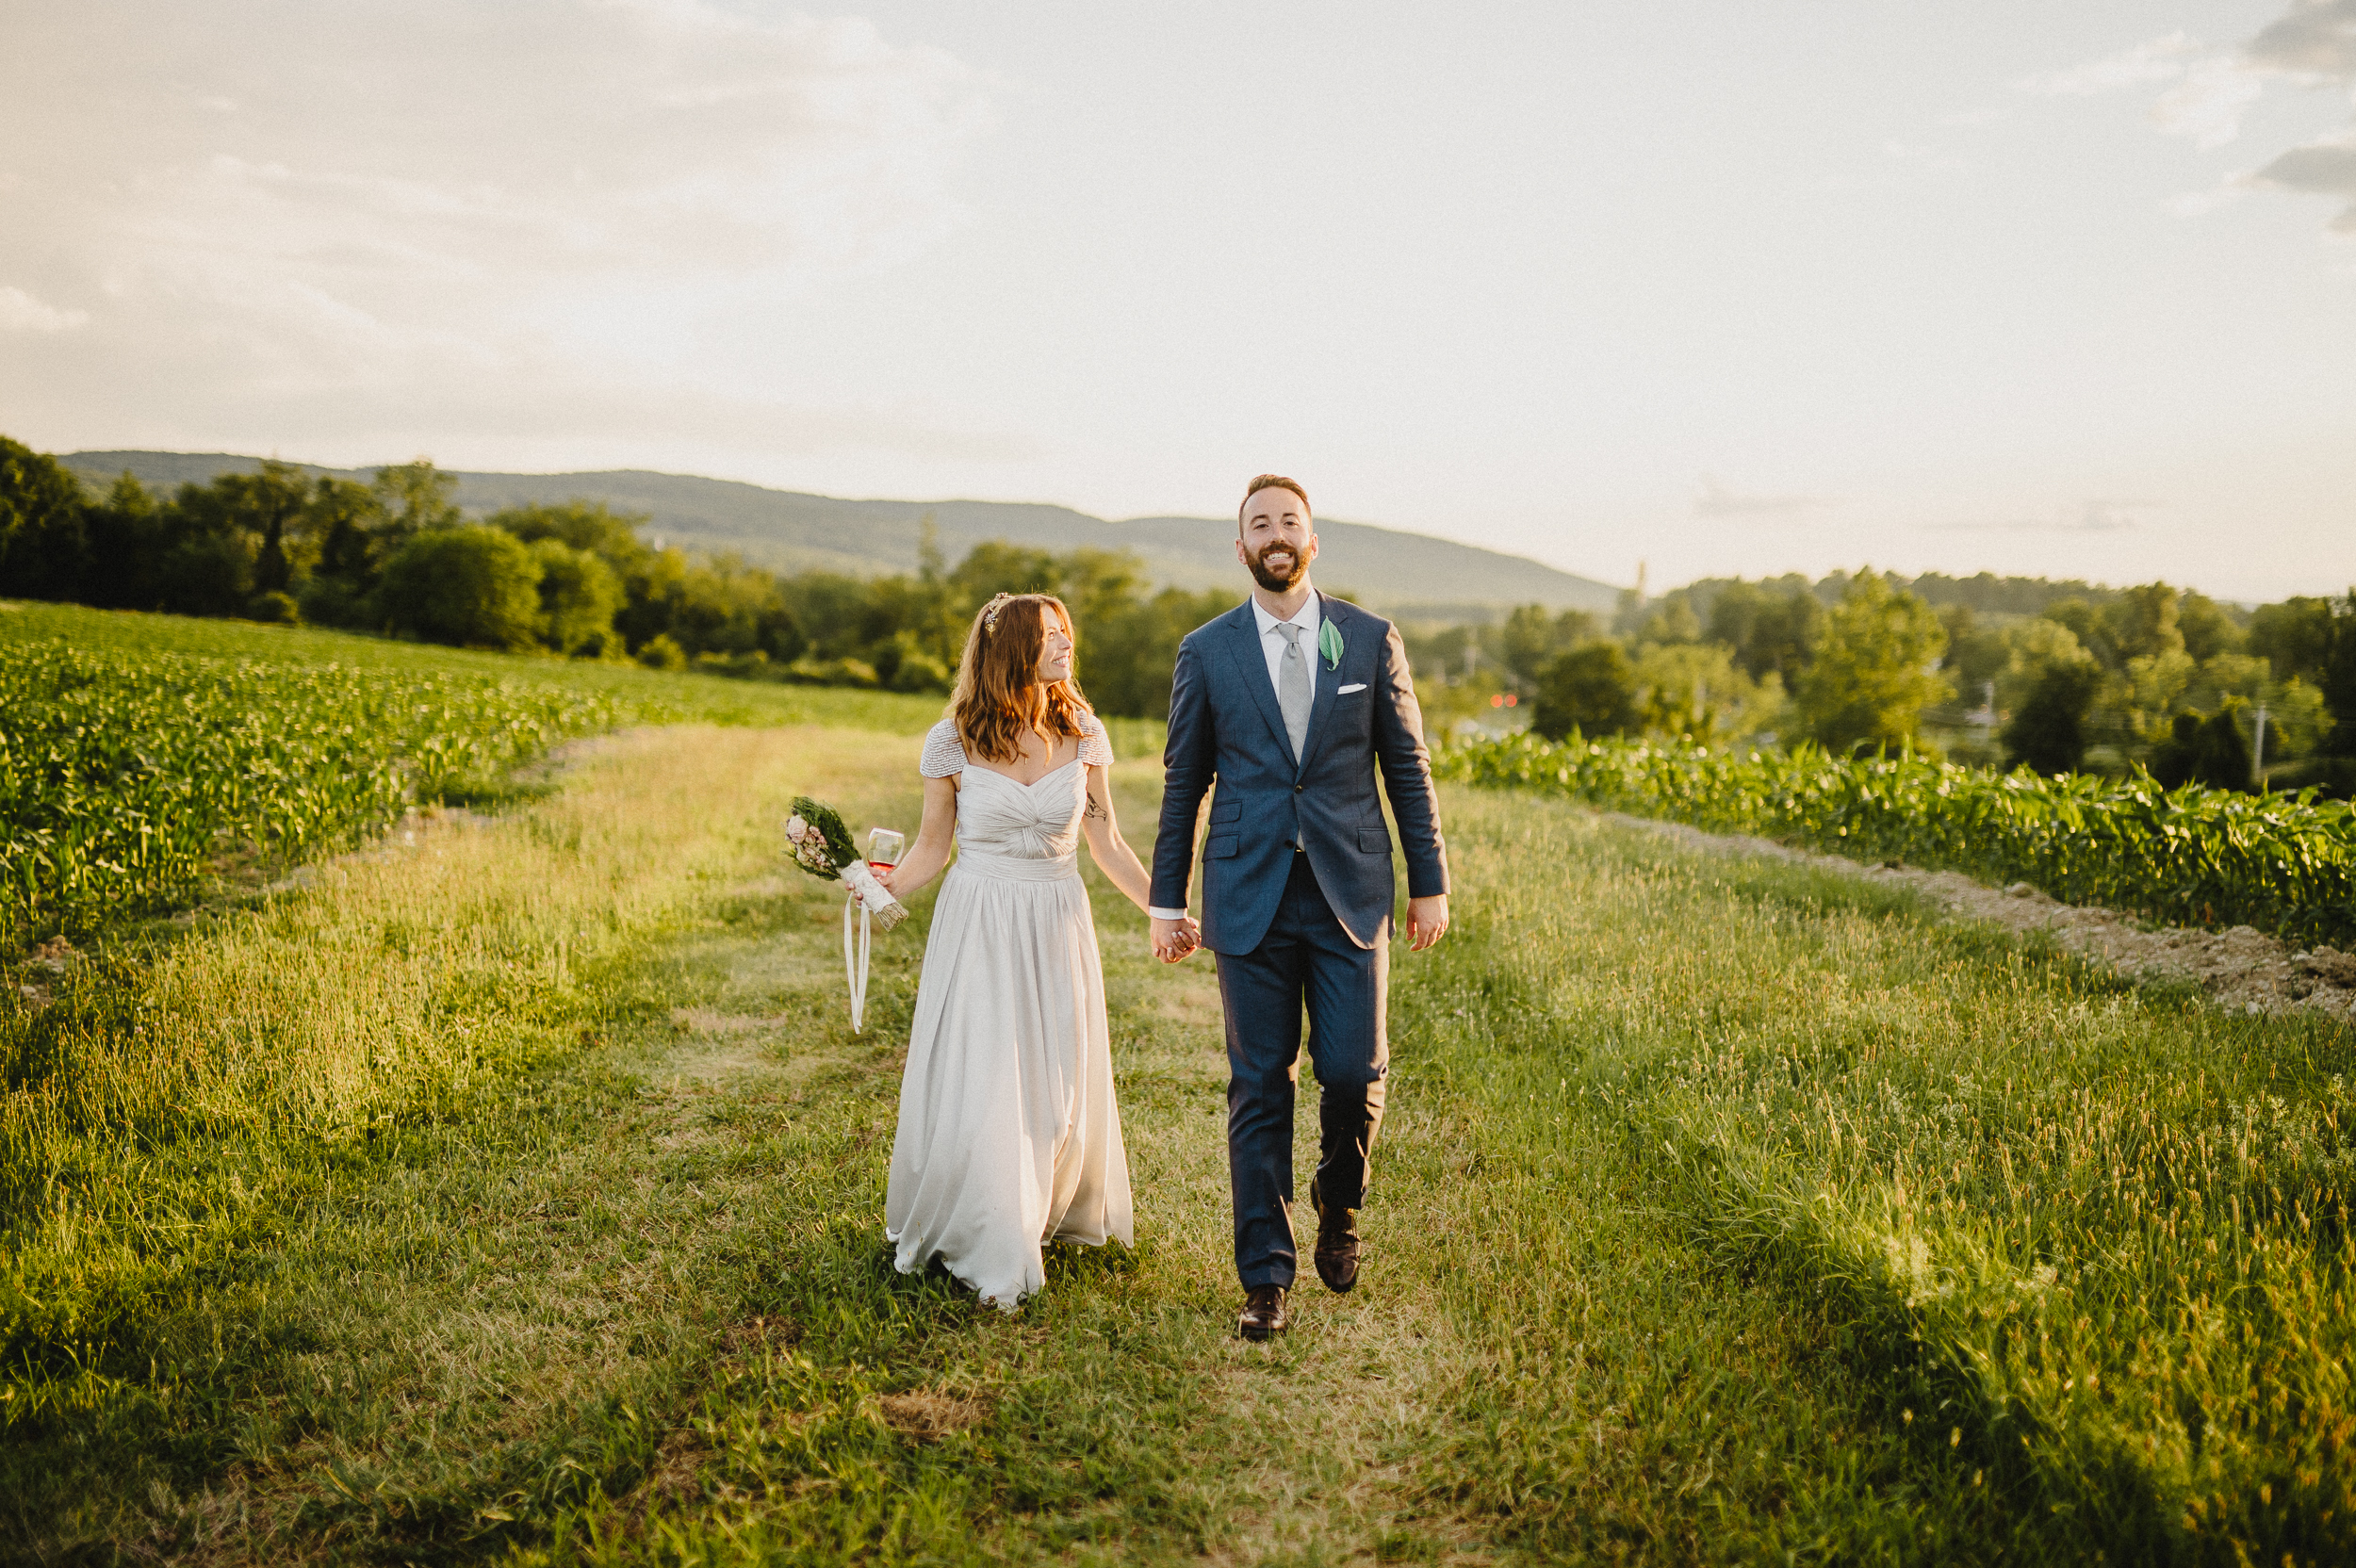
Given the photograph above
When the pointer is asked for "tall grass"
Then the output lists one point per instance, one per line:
(2090, 1239)
(2210, 857)
(158, 1119)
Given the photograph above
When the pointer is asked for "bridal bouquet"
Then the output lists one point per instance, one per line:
(821, 845)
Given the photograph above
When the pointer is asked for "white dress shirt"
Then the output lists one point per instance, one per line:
(1272, 644)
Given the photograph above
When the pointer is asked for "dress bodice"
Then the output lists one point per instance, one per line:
(1001, 820)
(1040, 821)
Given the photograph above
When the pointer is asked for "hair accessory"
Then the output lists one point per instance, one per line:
(989, 612)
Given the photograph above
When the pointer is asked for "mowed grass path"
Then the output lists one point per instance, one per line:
(613, 1288)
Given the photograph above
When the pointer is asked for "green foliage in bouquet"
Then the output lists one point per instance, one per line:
(819, 843)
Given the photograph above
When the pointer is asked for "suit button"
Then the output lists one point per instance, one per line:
(1298, 788)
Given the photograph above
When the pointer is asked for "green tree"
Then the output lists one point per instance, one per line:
(2293, 637)
(350, 536)
(126, 536)
(2335, 675)
(1591, 689)
(2207, 629)
(2075, 613)
(2141, 623)
(1873, 674)
(585, 525)
(43, 513)
(2047, 730)
(1128, 655)
(994, 568)
(38, 494)
(1531, 638)
(470, 585)
(578, 595)
(1697, 690)
(1770, 627)
(1671, 621)
(416, 498)
(1976, 654)
(271, 506)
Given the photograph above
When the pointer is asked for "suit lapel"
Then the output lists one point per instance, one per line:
(1333, 612)
(1243, 644)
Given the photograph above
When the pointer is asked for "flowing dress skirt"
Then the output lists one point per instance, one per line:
(1008, 1135)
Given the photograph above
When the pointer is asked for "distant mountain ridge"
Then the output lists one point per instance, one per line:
(1412, 575)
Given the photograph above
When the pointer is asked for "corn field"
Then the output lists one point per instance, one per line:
(130, 775)
(2195, 855)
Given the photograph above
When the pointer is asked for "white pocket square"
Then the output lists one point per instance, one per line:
(1345, 690)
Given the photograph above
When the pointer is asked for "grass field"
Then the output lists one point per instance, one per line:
(512, 1191)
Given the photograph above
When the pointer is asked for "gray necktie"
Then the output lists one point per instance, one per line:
(1292, 688)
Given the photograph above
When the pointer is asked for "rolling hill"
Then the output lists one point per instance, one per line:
(1411, 575)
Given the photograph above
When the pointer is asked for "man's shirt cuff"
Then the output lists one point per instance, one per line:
(1167, 914)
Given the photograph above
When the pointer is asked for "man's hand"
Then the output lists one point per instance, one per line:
(1174, 939)
(1427, 922)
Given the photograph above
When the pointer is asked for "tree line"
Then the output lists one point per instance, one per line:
(396, 556)
(2060, 677)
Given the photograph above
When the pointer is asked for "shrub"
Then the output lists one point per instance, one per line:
(275, 609)
(472, 586)
(1591, 689)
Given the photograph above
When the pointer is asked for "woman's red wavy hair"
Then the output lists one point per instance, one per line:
(999, 697)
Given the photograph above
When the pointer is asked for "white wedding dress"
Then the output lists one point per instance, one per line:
(1008, 1133)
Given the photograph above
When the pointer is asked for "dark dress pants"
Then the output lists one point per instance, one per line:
(1305, 958)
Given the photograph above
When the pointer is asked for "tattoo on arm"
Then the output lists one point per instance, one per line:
(1094, 809)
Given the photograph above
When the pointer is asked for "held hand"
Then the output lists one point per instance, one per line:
(1174, 939)
(1427, 922)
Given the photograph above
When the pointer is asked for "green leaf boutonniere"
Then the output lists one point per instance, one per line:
(1329, 644)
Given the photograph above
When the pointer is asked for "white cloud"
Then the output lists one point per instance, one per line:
(383, 200)
(2208, 101)
(21, 312)
(2161, 59)
(1716, 500)
(2089, 516)
(2312, 43)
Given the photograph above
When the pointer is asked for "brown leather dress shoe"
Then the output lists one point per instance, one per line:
(1337, 1245)
(1263, 1313)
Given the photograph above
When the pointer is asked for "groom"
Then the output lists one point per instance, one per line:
(1292, 703)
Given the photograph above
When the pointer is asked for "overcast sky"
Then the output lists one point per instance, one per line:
(1783, 285)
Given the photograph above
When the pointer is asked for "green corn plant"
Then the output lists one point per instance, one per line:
(2191, 856)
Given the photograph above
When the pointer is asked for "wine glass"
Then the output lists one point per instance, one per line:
(885, 846)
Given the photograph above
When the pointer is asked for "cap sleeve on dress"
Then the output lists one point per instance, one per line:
(945, 754)
(1096, 749)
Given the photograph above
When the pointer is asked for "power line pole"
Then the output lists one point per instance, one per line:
(2258, 751)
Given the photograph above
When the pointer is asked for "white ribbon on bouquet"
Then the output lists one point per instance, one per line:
(866, 895)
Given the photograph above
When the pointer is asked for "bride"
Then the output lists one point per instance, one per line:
(1008, 1135)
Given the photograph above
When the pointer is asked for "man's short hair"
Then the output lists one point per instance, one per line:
(1269, 481)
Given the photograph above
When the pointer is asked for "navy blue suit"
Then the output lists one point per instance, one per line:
(1293, 927)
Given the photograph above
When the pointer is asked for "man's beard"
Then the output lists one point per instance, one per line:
(1273, 581)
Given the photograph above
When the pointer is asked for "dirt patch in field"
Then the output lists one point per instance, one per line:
(928, 1414)
(2242, 968)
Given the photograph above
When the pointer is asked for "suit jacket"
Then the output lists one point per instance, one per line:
(1225, 726)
